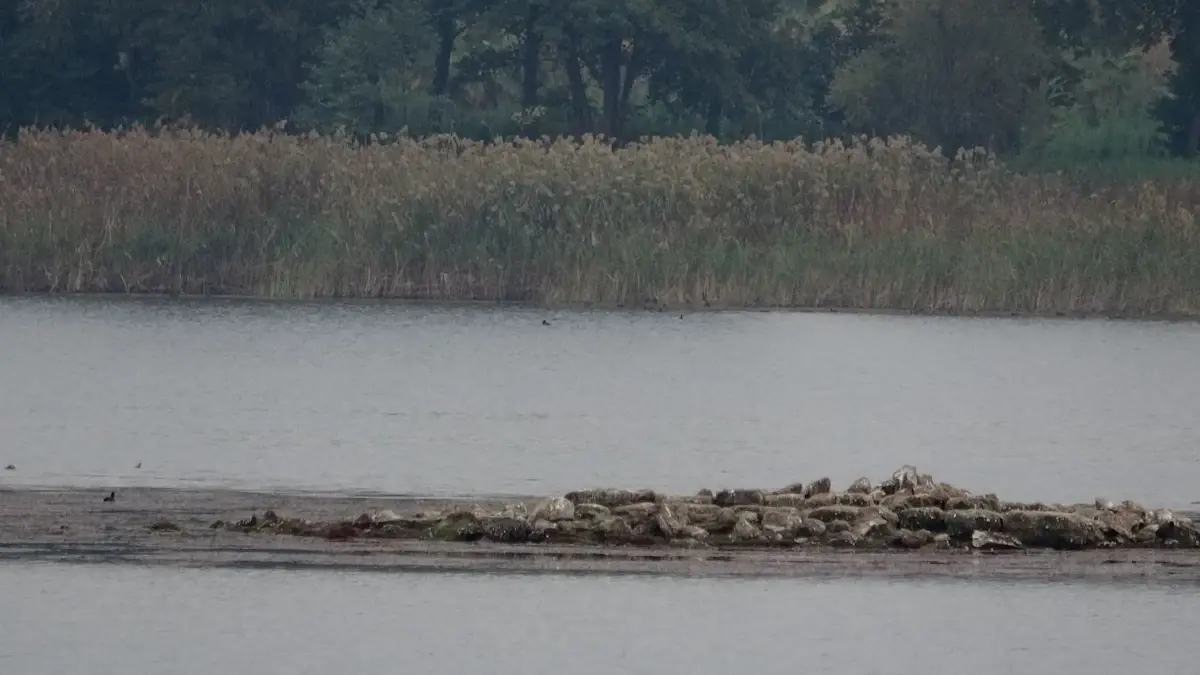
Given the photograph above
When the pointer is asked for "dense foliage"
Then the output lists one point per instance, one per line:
(1054, 80)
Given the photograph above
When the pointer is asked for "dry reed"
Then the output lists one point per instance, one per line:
(873, 224)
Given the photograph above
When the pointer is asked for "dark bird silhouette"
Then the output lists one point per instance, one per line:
(545, 322)
(139, 465)
(112, 497)
(10, 467)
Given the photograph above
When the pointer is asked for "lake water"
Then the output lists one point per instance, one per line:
(439, 400)
(121, 620)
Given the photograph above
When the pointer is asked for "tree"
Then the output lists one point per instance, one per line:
(232, 64)
(369, 67)
(955, 73)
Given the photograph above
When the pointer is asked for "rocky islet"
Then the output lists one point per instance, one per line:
(907, 511)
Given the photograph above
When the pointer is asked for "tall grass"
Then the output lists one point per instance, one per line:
(873, 224)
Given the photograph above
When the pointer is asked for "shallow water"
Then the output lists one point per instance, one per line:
(102, 619)
(425, 399)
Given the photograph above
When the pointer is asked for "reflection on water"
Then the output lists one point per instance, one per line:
(100, 620)
(433, 399)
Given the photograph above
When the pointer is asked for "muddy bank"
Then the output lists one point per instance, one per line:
(908, 526)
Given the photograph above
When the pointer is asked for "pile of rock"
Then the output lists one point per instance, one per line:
(909, 510)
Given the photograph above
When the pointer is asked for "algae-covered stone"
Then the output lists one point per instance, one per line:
(844, 539)
(810, 528)
(910, 540)
(874, 528)
(822, 499)
(703, 515)
(608, 497)
(740, 498)
(506, 530)
(666, 522)
(1050, 529)
(457, 526)
(779, 516)
(554, 510)
(592, 511)
(862, 485)
(880, 511)
(785, 499)
(994, 541)
(745, 531)
(960, 524)
(796, 488)
(836, 526)
(985, 502)
(615, 530)
(819, 486)
(636, 513)
(828, 514)
(929, 518)
(1183, 532)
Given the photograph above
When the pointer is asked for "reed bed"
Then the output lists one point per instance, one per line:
(877, 223)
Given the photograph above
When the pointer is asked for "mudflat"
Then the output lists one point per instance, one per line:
(175, 527)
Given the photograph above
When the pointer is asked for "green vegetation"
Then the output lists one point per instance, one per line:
(1038, 153)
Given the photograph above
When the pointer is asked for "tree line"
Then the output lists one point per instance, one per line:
(1061, 78)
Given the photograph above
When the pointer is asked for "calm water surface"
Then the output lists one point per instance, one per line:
(437, 400)
(102, 620)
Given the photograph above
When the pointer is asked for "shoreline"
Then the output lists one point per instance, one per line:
(577, 307)
(175, 527)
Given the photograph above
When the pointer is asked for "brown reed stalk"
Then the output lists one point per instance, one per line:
(877, 223)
